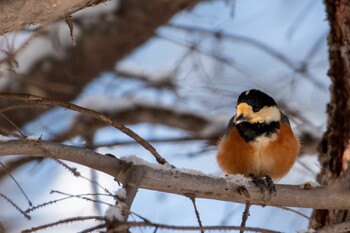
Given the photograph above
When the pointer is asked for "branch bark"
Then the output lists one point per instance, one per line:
(16, 14)
(166, 179)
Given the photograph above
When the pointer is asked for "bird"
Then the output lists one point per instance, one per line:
(258, 141)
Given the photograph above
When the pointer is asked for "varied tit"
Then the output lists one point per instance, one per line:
(258, 141)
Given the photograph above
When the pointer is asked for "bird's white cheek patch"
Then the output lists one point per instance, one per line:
(267, 115)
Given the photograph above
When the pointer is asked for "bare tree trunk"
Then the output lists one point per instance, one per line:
(335, 149)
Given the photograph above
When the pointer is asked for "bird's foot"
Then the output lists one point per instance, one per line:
(260, 183)
(270, 185)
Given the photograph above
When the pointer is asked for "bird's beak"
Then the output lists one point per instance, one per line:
(240, 118)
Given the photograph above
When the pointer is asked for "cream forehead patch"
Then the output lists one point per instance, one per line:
(244, 109)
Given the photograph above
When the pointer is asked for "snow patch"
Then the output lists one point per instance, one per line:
(192, 171)
(115, 212)
(237, 180)
(309, 185)
(166, 167)
(121, 193)
(138, 161)
(196, 172)
(34, 137)
(4, 138)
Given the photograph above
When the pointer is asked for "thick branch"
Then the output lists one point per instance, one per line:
(166, 179)
(16, 14)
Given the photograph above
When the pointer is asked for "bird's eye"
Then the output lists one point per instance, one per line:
(256, 109)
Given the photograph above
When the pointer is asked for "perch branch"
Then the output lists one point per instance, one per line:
(167, 179)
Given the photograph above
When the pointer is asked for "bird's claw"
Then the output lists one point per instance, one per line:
(260, 183)
(264, 184)
(243, 191)
(270, 185)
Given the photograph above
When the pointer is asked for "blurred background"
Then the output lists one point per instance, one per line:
(172, 74)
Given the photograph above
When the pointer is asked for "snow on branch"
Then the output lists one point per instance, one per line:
(165, 178)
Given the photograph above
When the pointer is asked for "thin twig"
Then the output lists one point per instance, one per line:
(193, 200)
(67, 220)
(252, 42)
(18, 185)
(22, 106)
(45, 204)
(13, 124)
(68, 196)
(224, 60)
(245, 215)
(153, 140)
(97, 115)
(95, 228)
(299, 18)
(127, 225)
(14, 164)
(76, 173)
(81, 196)
(15, 206)
(12, 52)
(312, 221)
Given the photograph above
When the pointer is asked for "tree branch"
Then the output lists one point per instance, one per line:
(16, 14)
(99, 116)
(335, 228)
(166, 179)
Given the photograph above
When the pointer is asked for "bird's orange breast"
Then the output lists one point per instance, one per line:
(272, 156)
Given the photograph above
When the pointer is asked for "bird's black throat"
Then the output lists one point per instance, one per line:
(251, 131)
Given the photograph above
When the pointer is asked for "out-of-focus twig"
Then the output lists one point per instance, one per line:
(107, 120)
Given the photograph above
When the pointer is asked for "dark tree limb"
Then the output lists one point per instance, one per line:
(335, 146)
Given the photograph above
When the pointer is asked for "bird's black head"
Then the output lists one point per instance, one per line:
(256, 99)
(255, 106)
